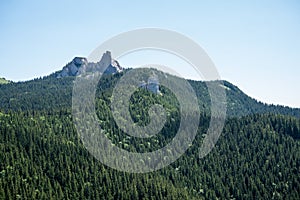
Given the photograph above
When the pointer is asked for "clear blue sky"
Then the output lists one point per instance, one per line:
(254, 44)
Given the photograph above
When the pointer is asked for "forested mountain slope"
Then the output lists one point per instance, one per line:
(257, 157)
(42, 157)
(57, 93)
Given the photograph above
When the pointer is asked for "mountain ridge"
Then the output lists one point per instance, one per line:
(57, 88)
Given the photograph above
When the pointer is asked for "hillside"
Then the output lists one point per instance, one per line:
(256, 157)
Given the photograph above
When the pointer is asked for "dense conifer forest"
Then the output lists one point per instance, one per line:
(42, 157)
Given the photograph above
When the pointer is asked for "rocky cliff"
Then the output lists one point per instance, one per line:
(80, 65)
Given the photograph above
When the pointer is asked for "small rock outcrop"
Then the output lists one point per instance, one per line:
(152, 84)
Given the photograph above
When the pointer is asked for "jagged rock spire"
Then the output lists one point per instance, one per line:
(80, 65)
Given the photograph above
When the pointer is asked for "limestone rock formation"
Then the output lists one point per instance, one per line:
(80, 65)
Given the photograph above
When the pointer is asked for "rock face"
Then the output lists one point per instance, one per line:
(80, 65)
(72, 68)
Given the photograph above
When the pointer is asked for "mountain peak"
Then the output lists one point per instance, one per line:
(80, 65)
(78, 61)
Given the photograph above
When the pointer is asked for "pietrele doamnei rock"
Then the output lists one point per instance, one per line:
(81, 65)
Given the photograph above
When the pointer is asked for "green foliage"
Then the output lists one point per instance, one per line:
(256, 157)
(42, 158)
(4, 81)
